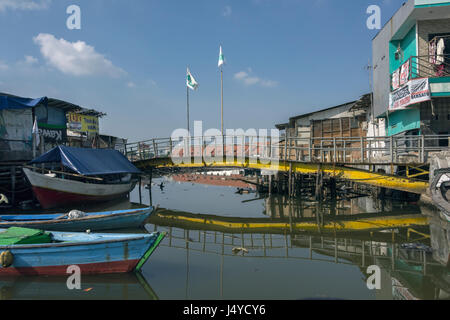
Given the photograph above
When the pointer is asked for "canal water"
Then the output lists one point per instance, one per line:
(202, 262)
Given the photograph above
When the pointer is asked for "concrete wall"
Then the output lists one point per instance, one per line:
(403, 120)
(408, 47)
(381, 60)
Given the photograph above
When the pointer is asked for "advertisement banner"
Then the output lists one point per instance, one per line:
(415, 91)
(396, 80)
(81, 123)
(404, 73)
(52, 133)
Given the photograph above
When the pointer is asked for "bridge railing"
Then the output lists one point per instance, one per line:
(231, 146)
(365, 150)
(343, 150)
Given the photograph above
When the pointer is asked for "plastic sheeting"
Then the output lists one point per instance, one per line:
(10, 102)
(88, 162)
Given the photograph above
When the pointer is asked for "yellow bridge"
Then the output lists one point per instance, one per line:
(387, 162)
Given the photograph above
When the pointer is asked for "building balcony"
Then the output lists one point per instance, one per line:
(435, 68)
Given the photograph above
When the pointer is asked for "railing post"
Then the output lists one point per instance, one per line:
(422, 149)
(362, 149)
(155, 149)
(334, 149)
(311, 149)
(286, 139)
(345, 151)
(391, 148)
(270, 148)
(321, 150)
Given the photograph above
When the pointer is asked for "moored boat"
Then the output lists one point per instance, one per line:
(35, 252)
(85, 175)
(94, 221)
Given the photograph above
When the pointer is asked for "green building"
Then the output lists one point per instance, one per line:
(411, 71)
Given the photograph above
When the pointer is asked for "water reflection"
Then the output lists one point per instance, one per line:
(226, 245)
(210, 257)
(408, 268)
(111, 287)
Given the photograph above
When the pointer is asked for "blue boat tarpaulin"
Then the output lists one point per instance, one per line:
(10, 102)
(88, 162)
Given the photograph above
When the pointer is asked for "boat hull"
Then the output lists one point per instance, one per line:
(93, 221)
(53, 192)
(104, 254)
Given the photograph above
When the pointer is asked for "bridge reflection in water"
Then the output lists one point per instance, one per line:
(402, 250)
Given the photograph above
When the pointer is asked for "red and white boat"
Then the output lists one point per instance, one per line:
(53, 192)
(86, 175)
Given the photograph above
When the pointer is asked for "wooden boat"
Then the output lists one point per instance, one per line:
(86, 175)
(93, 221)
(36, 252)
(53, 192)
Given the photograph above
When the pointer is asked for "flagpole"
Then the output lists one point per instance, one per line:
(221, 85)
(187, 100)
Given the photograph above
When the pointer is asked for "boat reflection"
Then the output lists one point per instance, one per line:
(131, 286)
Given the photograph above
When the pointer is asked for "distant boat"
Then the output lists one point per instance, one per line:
(85, 175)
(93, 221)
(35, 252)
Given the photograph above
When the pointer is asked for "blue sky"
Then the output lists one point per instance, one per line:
(284, 58)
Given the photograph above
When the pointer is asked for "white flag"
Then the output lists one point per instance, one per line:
(221, 58)
(36, 132)
(190, 81)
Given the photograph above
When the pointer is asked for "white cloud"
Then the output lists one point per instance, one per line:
(269, 83)
(24, 4)
(75, 58)
(3, 66)
(246, 78)
(30, 60)
(241, 75)
(227, 11)
(131, 84)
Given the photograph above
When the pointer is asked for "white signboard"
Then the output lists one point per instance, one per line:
(415, 91)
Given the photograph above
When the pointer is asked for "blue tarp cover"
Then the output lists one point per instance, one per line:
(8, 102)
(88, 162)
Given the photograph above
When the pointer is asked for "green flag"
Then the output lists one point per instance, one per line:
(221, 58)
(190, 81)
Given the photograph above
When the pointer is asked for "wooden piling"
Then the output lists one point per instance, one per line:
(319, 182)
(140, 190)
(13, 185)
(150, 187)
(290, 180)
(333, 192)
(270, 185)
